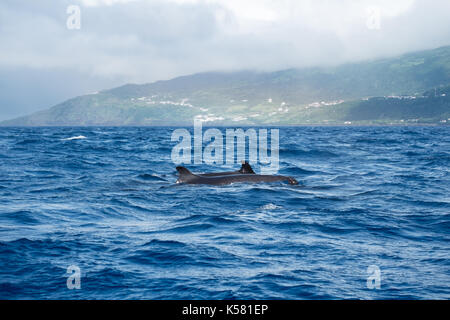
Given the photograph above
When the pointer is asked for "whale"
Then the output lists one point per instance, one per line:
(187, 177)
(245, 169)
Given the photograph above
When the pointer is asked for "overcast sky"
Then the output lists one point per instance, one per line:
(44, 60)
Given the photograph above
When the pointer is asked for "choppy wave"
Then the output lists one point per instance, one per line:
(109, 204)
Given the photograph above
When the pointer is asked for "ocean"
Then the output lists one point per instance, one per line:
(94, 213)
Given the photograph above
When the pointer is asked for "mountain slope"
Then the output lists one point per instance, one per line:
(432, 106)
(293, 96)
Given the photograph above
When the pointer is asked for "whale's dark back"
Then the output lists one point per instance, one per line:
(185, 176)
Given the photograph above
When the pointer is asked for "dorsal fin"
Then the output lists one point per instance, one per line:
(184, 174)
(246, 168)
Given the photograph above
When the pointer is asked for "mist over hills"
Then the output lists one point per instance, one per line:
(412, 88)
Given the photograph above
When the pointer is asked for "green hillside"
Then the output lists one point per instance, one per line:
(357, 92)
(431, 107)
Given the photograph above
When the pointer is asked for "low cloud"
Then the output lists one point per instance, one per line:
(122, 41)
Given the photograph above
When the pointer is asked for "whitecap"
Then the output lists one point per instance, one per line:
(74, 138)
(270, 206)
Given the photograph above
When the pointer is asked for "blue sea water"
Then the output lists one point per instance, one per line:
(108, 204)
